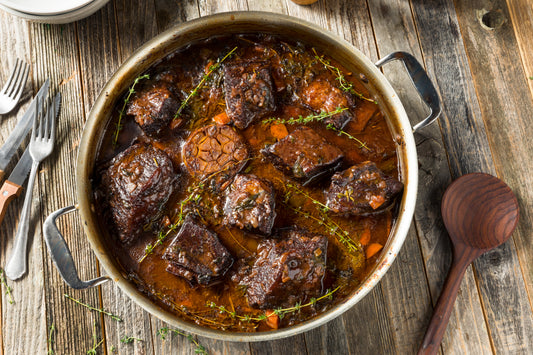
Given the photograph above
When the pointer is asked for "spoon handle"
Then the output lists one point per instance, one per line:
(441, 314)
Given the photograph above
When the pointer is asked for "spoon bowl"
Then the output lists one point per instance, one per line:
(480, 213)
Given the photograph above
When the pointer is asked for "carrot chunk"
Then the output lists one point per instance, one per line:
(372, 249)
(221, 118)
(279, 131)
(272, 319)
(365, 237)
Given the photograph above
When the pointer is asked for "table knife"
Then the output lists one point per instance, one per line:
(12, 187)
(21, 130)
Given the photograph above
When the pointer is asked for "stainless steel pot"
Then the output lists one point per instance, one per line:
(243, 22)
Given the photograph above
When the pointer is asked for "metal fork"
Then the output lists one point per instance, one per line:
(40, 147)
(12, 90)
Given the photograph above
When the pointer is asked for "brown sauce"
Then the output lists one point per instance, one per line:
(185, 69)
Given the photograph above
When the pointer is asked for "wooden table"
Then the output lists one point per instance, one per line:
(479, 55)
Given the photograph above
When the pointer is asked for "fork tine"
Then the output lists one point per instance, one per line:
(16, 80)
(22, 82)
(46, 125)
(7, 85)
(35, 119)
(51, 128)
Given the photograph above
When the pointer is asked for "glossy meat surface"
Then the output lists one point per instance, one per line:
(248, 88)
(304, 155)
(138, 185)
(362, 189)
(154, 108)
(322, 96)
(213, 149)
(287, 270)
(250, 204)
(197, 254)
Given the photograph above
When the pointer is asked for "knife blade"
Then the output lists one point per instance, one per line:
(21, 130)
(12, 187)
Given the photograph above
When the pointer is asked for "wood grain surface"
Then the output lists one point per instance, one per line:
(478, 54)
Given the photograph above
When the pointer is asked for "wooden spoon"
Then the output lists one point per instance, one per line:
(480, 213)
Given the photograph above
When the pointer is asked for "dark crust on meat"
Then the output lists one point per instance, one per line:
(362, 189)
(250, 204)
(304, 155)
(154, 108)
(138, 185)
(212, 149)
(197, 254)
(287, 270)
(249, 91)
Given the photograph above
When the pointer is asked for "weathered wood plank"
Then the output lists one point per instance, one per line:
(469, 150)
(507, 108)
(55, 53)
(521, 15)
(395, 31)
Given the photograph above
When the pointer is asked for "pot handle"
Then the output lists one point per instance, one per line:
(61, 255)
(422, 83)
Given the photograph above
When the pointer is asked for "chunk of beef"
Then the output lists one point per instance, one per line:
(287, 271)
(248, 87)
(137, 185)
(197, 255)
(250, 204)
(154, 108)
(361, 189)
(213, 149)
(321, 95)
(304, 155)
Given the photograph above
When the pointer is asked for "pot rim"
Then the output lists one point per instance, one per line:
(161, 45)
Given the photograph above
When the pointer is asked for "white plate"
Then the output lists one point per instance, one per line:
(82, 12)
(45, 7)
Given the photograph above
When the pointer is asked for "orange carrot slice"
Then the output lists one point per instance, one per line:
(272, 319)
(372, 249)
(279, 131)
(221, 118)
(365, 237)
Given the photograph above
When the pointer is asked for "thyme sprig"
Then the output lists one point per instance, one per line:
(8, 288)
(318, 118)
(307, 119)
(280, 312)
(342, 132)
(333, 228)
(128, 339)
(122, 111)
(99, 310)
(96, 344)
(50, 341)
(344, 84)
(163, 332)
(194, 92)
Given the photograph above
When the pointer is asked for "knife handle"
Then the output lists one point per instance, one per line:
(8, 192)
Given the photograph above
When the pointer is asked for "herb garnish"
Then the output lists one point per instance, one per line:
(127, 339)
(100, 310)
(318, 118)
(8, 289)
(280, 312)
(333, 228)
(212, 68)
(344, 84)
(163, 332)
(131, 91)
(92, 351)
(50, 340)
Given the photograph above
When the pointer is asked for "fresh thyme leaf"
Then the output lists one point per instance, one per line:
(307, 119)
(50, 340)
(92, 351)
(8, 289)
(212, 68)
(131, 91)
(100, 310)
(344, 84)
(163, 332)
(280, 312)
(127, 339)
(341, 132)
